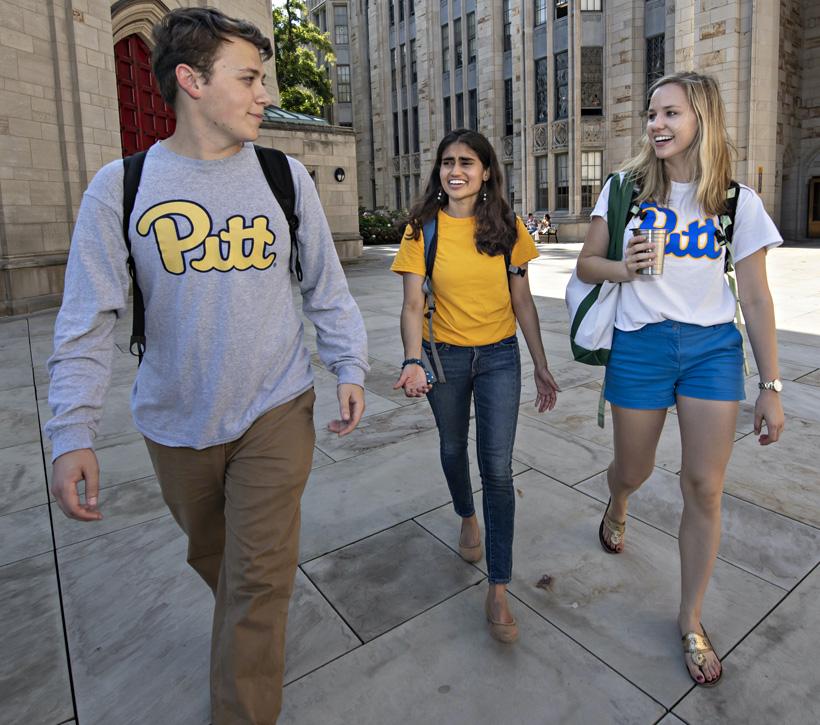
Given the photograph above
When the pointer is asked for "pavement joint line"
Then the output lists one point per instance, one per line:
(57, 576)
(585, 648)
(754, 627)
(377, 637)
(335, 609)
(367, 536)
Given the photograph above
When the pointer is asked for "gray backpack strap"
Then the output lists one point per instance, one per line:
(430, 235)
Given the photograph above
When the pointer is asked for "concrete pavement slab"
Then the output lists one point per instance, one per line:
(133, 606)
(26, 533)
(15, 365)
(782, 477)
(33, 668)
(381, 581)
(562, 456)
(18, 417)
(12, 332)
(776, 548)
(357, 497)
(316, 633)
(622, 608)
(377, 431)
(768, 676)
(23, 481)
(443, 667)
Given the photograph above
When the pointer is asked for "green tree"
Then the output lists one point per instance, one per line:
(304, 85)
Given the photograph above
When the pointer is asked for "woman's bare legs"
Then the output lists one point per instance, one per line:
(636, 437)
(707, 429)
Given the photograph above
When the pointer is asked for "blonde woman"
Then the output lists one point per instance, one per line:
(675, 342)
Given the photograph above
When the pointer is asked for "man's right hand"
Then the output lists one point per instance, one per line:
(68, 470)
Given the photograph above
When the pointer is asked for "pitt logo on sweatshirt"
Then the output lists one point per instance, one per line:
(239, 246)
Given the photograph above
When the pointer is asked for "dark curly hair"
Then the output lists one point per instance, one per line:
(193, 36)
(495, 230)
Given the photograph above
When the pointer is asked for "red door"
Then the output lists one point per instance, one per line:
(144, 116)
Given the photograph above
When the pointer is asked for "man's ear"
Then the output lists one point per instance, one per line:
(189, 80)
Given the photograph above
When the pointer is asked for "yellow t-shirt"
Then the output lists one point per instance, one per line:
(473, 304)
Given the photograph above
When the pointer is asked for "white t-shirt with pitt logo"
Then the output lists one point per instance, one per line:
(693, 287)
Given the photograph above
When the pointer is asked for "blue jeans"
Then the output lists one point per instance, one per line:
(491, 374)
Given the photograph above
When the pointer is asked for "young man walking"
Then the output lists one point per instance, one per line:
(224, 394)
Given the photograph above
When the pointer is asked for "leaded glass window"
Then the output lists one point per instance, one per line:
(473, 114)
(471, 49)
(343, 83)
(507, 25)
(541, 184)
(591, 167)
(508, 107)
(457, 41)
(445, 48)
(340, 22)
(541, 96)
(655, 59)
(540, 12)
(592, 81)
(561, 181)
(561, 84)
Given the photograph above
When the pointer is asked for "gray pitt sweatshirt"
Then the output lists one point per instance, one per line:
(224, 338)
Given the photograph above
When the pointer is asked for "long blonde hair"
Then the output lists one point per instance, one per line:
(710, 154)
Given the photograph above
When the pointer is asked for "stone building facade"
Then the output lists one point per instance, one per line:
(61, 119)
(559, 87)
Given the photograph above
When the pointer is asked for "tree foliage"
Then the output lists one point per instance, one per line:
(304, 85)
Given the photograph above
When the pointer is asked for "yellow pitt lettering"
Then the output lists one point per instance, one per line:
(235, 236)
(171, 245)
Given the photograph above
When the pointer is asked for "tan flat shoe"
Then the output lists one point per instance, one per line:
(471, 553)
(502, 631)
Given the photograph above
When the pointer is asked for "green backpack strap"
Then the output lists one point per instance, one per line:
(622, 207)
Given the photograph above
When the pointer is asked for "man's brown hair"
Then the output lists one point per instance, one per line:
(192, 36)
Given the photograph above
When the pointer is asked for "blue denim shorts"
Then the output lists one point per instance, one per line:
(649, 367)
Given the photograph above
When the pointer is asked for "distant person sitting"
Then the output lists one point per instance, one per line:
(531, 224)
(546, 228)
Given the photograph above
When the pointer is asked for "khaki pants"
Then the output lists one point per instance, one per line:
(238, 503)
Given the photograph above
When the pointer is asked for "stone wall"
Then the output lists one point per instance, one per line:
(322, 150)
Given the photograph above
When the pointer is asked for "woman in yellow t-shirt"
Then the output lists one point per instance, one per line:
(474, 325)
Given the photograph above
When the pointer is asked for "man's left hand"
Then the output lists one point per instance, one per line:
(351, 408)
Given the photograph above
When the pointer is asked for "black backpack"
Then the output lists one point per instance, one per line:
(277, 172)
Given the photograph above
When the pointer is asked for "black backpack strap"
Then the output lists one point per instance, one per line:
(277, 172)
(508, 265)
(726, 224)
(132, 172)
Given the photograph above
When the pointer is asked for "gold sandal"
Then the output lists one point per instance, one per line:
(696, 646)
(617, 529)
